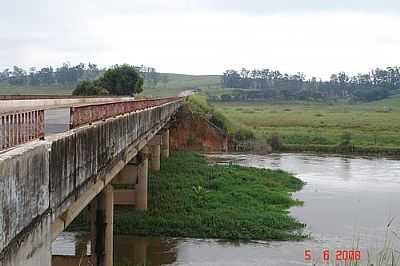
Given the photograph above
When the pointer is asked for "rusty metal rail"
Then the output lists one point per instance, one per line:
(20, 127)
(87, 114)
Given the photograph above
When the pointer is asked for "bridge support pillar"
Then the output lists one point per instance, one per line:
(155, 151)
(128, 177)
(102, 216)
(142, 179)
(165, 144)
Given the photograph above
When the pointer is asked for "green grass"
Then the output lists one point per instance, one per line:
(6, 89)
(320, 126)
(181, 82)
(191, 198)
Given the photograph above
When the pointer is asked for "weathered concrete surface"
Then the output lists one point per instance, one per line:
(141, 188)
(165, 144)
(24, 193)
(33, 248)
(155, 153)
(191, 132)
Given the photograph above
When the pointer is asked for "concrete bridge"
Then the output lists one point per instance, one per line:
(47, 180)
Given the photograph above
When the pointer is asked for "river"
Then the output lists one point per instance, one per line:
(348, 204)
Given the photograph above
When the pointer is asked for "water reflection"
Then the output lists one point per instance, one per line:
(348, 201)
(74, 249)
(136, 250)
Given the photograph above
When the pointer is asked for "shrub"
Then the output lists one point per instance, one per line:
(219, 121)
(88, 88)
(346, 139)
(346, 144)
(275, 142)
(243, 134)
(199, 104)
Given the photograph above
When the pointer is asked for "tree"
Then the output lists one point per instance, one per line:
(122, 80)
(19, 76)
(164, 80)
(89, 88)
(33, 77)
(46, 76)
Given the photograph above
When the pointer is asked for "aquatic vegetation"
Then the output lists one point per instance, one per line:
(191, 198)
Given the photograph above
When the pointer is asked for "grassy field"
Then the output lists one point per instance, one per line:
(180, 82)
(370, 125)
(191, 198)
(51, 90)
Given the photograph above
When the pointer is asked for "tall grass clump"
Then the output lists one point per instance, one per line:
(275, 141)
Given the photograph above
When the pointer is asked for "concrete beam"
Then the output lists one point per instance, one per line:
(128, 174)
(156, 140)
(124, 196)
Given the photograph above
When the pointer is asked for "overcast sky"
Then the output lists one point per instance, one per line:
(203, 36)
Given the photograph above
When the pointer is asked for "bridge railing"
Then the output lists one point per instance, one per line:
(86, 114)
(20, 127)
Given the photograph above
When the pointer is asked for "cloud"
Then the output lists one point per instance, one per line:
(202, 37)
(247, 7)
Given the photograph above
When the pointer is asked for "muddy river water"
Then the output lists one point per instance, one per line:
(348, 204)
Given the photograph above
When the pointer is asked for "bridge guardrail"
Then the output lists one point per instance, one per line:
(20, 127)
(86, 114)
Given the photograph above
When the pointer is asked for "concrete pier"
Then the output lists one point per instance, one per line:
(102, 213)
(142, 180)
(128, 177)
(165, 144)
(155, 152)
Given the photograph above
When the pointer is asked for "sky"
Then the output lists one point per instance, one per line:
(315, 37)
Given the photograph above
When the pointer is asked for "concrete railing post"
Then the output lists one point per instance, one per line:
(142, 180)
(165, 144)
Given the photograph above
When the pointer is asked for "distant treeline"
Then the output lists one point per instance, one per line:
(66, 75)
(272, 84)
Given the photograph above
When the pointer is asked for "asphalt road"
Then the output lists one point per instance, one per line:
(56, 120)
